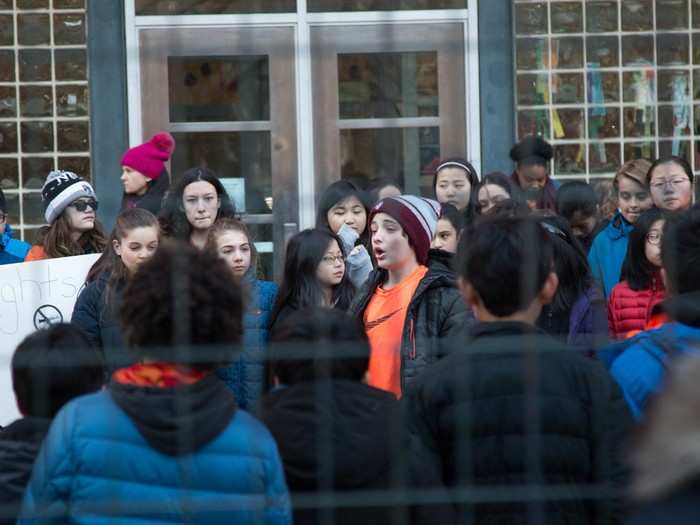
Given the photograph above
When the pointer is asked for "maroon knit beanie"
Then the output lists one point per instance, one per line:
(417, 216)
(150, 158)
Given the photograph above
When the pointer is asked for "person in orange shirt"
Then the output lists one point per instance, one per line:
(411, 302)
(70, 208)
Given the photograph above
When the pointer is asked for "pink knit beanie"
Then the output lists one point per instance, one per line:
(150, 158)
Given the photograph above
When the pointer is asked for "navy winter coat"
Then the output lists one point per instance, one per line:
(246, 375)
(100, 464)
(436, 314)
(97, 318)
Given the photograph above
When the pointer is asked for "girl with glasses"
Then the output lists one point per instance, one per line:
(671, 183)
(230, 240)
(314, 275)
(343, 209)
(70, 209)
(632, 301)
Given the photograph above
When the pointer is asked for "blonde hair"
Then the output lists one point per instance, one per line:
(636, 170)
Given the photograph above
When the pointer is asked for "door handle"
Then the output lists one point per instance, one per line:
(290, 230)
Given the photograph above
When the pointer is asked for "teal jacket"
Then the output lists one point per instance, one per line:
(608, 253)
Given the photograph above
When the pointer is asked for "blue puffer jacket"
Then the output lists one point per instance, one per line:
(98, 465)
(639, 364)
(246, 376)
(608, 253)
(12, 250)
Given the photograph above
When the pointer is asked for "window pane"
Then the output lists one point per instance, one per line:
(531, 19)
(601, 17)
(567, 17)
(532, 89)
(638, 86)
(604, 158)
(407, 154)
(8, 102)
(603, 51)
(319, 6)
(569, 158)
(33, 208)
(531, 53)
(672, 14)
(9, 174)
(567, 52)
(211, 7)
(637, 15)
(219, 88)
(35, 170)
(672, 49)
(638, 50)
(603, 123)
(674, 85)
(388, 85)
(568, 123)
(533, 122)
(567, 88)
(674, 121)
(640, 150)
(677, 148)
(242, 157)
(640, 122)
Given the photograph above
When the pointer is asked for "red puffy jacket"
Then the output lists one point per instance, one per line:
(630, 310)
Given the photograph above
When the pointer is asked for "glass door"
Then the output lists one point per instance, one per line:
(389, 102)
(228, 97)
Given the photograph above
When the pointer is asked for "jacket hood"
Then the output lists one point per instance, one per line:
(178, 420)
(618, 227)
(360, 420)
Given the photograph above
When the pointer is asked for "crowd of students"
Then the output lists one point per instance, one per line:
(502, 336)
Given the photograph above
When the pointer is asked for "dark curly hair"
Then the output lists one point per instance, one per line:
(183, 297)
(173, 221)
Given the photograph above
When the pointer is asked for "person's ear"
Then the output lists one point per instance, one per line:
(549, 289)
(469, 294)
(117, 247)
(218, 203)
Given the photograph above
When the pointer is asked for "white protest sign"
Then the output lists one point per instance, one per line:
(34, 295)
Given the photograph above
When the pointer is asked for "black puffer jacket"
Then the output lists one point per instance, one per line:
(348, 437)
(19, 445)
(436, 314)
(514, 408)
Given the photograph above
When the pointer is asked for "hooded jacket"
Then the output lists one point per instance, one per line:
(639, 364)
(630, 310)
(361, 428)
(608, 252)
(158, 455)
(12, 250)
(246, 376)
(515, 407)
(95, 316)
(436, 313)
(19, 445)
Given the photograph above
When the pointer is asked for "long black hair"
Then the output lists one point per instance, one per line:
(570, 264)
(637, 269)
(300, 288)
(472, 177)
(172, 217)
(495, 178)
(336, 193)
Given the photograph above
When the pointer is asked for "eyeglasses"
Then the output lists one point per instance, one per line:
(83, 205)
(674, 183)
(329, 259)
(654, 238)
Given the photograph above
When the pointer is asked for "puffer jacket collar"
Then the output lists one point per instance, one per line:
(439, 274)
(618, 227)
(6, 237)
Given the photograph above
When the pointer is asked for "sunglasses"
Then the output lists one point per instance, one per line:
(83, 205)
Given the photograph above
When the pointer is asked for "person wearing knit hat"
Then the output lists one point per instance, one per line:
(70, 208)
(410, 303)
(144, 175)
(532, 156)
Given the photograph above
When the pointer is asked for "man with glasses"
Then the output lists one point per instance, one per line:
(11, 250)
